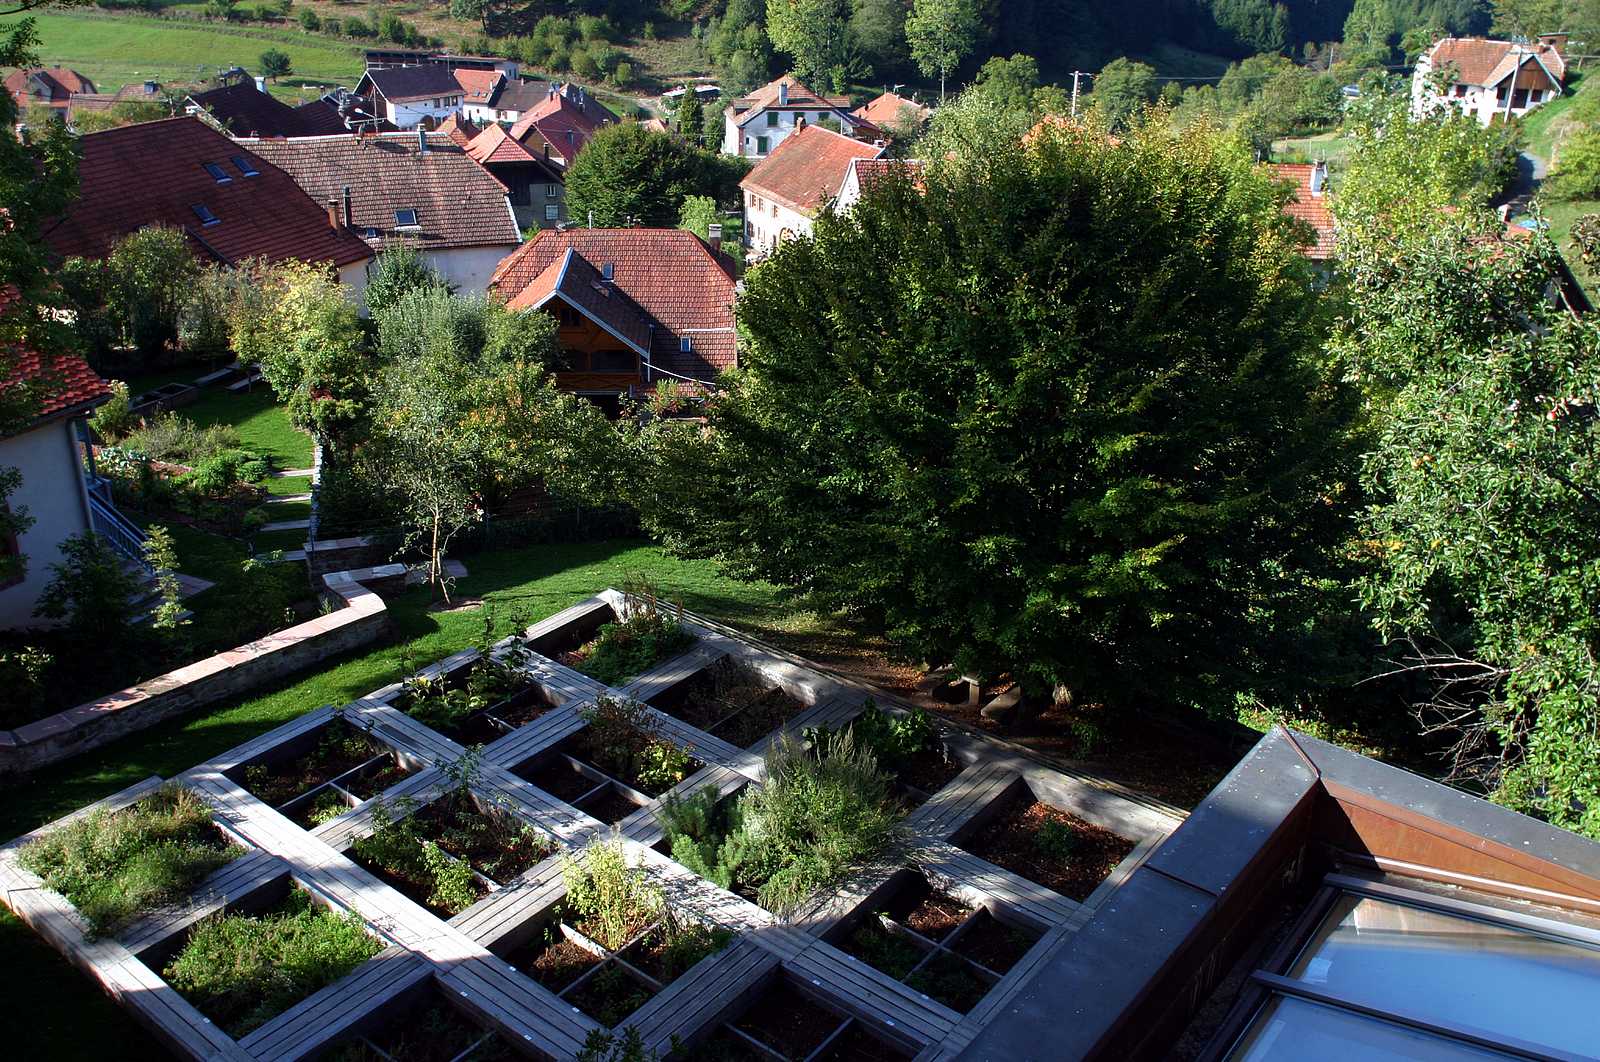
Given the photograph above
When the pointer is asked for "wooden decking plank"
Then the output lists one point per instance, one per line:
(691, 1005)
(1037, 904)
(263, 743)
(526, 1011)
(251, 871)
(961, 799)
(321, 1018)
(873, 995)
(524, 743)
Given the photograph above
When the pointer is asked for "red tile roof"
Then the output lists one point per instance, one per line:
(886, 110)
(871, 171)
(582, 286)
(558, 122)
(807, 169)
(670, 275)
(57, 82)
(479, 85)
(153, 173)
(799, 96)
(458, 202)
(495, 145)
(1484, 62)
(1308, 207)
(65, 382)
(460, 130)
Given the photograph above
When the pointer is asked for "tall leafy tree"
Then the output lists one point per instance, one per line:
(879, 28)
(940, 34)
(692, 117)
(1009, 82)
(1121, 89)
(1484, 471)
(276, 63)
(813, 32)
(629, 175)
(1529, 18)
(1060, 412)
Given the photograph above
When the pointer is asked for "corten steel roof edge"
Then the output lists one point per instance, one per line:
(1126, 984)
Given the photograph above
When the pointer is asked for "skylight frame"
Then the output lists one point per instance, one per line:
(245, 167)
(207, 216)
(218, 174)
(402, 214)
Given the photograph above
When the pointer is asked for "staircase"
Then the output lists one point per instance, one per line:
(124, 536)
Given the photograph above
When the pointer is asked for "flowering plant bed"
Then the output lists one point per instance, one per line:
(732, 701)
(114, 866)
(622, 650)
(448, 854)
(1052, 847)
(491, 699)
(243, 970)
(346, 761)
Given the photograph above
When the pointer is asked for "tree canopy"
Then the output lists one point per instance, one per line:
(630, 175)
(985, 419)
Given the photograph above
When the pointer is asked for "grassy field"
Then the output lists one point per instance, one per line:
(262, 422)
(116, 50)
(1543, 128)
(54, 1012)
(1330, 147)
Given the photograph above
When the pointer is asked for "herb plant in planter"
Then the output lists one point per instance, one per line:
(621, 740)
(908, 747)
(620, 651)
(490, 688)
(113, 866)
(341, 749)
(816, 819)
(243, 970)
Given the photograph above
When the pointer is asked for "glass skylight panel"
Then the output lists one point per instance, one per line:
(404, 219)
(1455, 971)
(204, 213)
(245, 166)
(1295, 1030)
(217, 172)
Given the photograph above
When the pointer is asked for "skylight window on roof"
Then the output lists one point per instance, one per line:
(686, 344)
(608, 271)
(205, 215)
(405, 219)
(217, 172)
(245, 166)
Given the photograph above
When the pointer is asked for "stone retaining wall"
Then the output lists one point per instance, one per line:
(361, 621)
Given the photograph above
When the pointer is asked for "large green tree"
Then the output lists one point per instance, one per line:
(1059, 413)
(1011, 83)
(1484, 472)
(1121, 89)
(940, 34)
(629, 175)
(815, 34)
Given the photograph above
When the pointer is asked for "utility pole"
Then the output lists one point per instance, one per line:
(1076, 74)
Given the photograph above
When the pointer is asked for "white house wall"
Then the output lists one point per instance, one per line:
(410, 114)
(468, 268)
(771, 223)
(52, 491)
(740, 132)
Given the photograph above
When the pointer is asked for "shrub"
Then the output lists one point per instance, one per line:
(614, 899)
(620, 651)
(24, 689)
(355, 27)
(397, 271)
(310, 21)
(242, 970)
(118, 864)
(894, 739)
(626, 1046)
(220, 472)
(178, 440)
(1576, 173)
(333, 27)
(203, 317)
(93, 590)
(622, 74)
(113, 420)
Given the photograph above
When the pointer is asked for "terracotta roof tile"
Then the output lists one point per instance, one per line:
(458, 202)
(1485, 62)
(479, 85)
(799, 96)
(244, 110)
(671, 276)
(807, 168)
(153, 173)
(66, 381)
(460, 130)
(495, 145)
(886, 110)
(870, 171)
(59, 81)
(1308, 207)
(559, 122)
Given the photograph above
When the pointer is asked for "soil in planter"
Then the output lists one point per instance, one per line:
(559, 778)
(340, 748)
(522, 709)
(933, 914)
(766, 713)
(950, 980)
(439, 1034)
(610, 995)
(1052, 848)
(788, 1022)
(666, 956)
(626, 765)
(882, 948)
(498, 846)
(324, 807)
(610, 806)
(721, 1046)
(375, 779)
(855, 1044)
(729, 689)
(553, 961)
(995, 944)
(930, 770)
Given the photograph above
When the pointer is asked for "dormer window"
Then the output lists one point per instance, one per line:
(205, 215)
(219, 174)
(406, 219)
(245, 167)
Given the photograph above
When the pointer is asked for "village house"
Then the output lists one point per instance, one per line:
(1310, 203)
(383, 58)
(754, 125)
(533, 183)
(244, 108)
(635, 306)
(1490, 79)
(891, 110)
(509, 101)
(61, 496)
(418, 188)
(559, 126)
(230, 202)
(863, 173)
(51, 87)
(87, 102)
(786, 190)
(409, 96)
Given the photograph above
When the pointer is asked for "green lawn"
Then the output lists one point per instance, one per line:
(1543, 125)
(115, 50)
(288, 485)
(262, 421)
(51, 1011)
(1330, 147)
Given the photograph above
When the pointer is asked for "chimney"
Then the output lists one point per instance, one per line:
(349, 214)
(422, 141)
(333, 213)
(714, 235)
(1558, 41)
(799, 122)
(261, 84)
(783, 94)
(1319, 178)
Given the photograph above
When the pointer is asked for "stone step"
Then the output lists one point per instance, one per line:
(288, 555)
(287, 525)
(291, 472)
(279, 499)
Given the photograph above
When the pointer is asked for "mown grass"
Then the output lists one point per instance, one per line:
(54, 1012)
(115, 50)
(263, 423)
(1543, 126)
